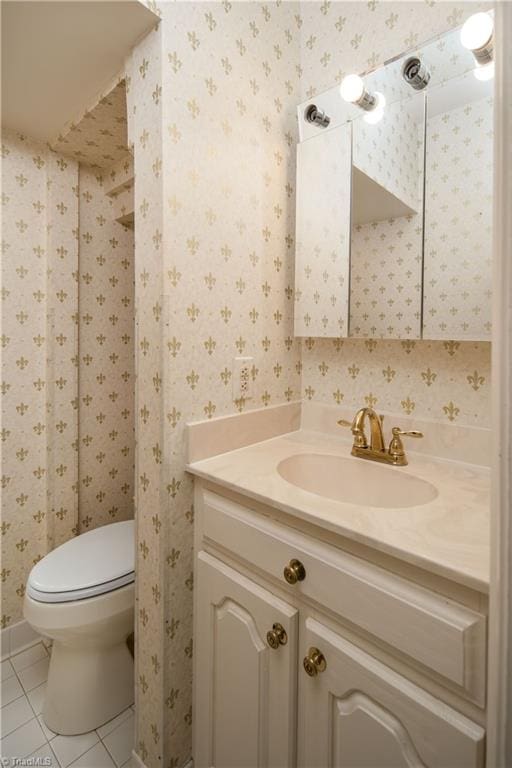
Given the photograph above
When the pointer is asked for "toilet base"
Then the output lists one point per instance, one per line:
(87, 687)
(90, 679)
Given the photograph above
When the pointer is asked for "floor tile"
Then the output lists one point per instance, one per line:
(70, 748)
(7, 669)
(11, 689)
(104, 730)
(32, 676)
(23, 741)
(16, 713)
(47, 732)
(120, 742)
(97, 757)
(132, 763)
(36, 697)
(46, 751)
(29, 657)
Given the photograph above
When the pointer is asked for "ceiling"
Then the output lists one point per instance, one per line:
(58, 56)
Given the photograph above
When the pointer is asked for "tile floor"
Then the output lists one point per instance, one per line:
(24, 733)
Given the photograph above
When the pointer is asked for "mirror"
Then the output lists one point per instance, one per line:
(387, 222)
(458, 210)
(322, 257)
(394, 203)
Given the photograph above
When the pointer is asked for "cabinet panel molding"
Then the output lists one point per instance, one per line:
(244, 691)
(435, 631)
(359, 713)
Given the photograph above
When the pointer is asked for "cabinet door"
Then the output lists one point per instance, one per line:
(358, 713)
(244, 691)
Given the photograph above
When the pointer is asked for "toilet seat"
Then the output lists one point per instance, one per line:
(91, 564)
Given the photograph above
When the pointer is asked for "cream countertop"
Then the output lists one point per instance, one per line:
(448, 536)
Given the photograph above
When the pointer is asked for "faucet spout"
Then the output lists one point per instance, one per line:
(376, 434)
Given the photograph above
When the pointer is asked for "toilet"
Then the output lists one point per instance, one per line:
(81, 595)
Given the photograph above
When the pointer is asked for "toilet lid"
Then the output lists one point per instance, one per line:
(93, 563)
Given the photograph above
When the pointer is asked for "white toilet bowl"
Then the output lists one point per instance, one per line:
(81, 595)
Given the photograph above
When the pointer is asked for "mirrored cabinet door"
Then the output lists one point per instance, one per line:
(458, 210)
(387, 222)
(394, 200)
(322, 260)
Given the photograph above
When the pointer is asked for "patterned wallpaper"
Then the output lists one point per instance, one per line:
(39, 358)
(385, 278)
(458, 222)
(454, 380)
(67, 362)
(339, 37)
(106, 369)
(212, 96)
(155, 487)
(214, 283)
(391, 151)
(99, 137)
(444, 381)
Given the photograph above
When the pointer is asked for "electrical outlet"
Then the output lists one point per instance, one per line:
(242, 378)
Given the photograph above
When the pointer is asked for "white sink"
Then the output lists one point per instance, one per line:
(355, 481)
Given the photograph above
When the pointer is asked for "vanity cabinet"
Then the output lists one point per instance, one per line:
(373, 668)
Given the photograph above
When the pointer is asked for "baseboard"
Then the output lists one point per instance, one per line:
(17, 637)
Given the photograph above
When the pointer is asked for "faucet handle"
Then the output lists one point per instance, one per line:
(411, 433)
(396, 447)
(359, 435)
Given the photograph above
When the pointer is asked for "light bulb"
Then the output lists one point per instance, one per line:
(376, 115)
(352, 88)
(484, 73)
(477, 31)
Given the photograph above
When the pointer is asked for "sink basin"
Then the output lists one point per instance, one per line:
(355, 481)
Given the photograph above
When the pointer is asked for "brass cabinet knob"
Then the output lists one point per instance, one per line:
(294, 572)
(314, 662)
(277, 636)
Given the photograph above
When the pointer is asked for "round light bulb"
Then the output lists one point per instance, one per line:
(377, 113)
(352, 88)
(484, 73)
(477, 31)
(380, 100)
(374, 117)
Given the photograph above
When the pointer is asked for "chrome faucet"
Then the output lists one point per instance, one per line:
(376, 450)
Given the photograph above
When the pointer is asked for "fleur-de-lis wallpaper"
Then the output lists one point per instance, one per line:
(99, 136)
(106, 365)
(68, 346)
(211, 116)
(39, 360)
(212, 97)
(385, 278)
